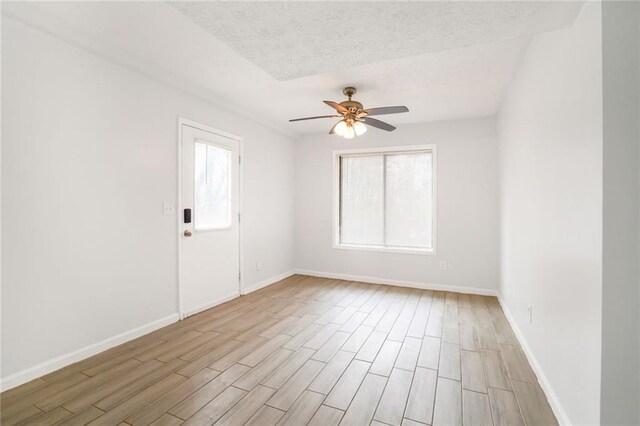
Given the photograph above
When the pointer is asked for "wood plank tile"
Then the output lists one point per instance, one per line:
(371, 346)
(20, 415)
(284, 398)
(279, 377)
(449, 366)
(476, 409)
(408, 422)
(262, 370)
(212, 353)
(20, 391)
(19, 406)
(256, 330)
(194, 343)
(167, 420)
(487, 338)
(436, 316)
(326, 416)
(327, 378)
(208, 346)
(364, 404)
(202, 396)
(344, 316)
(263, 351)
(391, 407)
(265, 416)
(133, 388)
(469, 338)
(241, 412)
(303, 336)
(347, 386)
(326, 351)
(448, 406)
(472, 372)
(429, 356)
(237, 354)
(217, 407)
(96, 394)
(494, 369)
(408, 356)
(422, 396)
(49, 417)
(357, 339)
(155, 410)
(419, 321)
(383, 364)
(128, 407)
(85, 385)
(517, 365)
(168, 346)
(279, 327)
(203, 361)
(504, 407)
(533, 404)
(399, 330)
(322, 336)
(354, 322)
(82, 417)
(303, 409)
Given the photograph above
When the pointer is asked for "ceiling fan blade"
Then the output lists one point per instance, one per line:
(386, 110)
(337, 107)
(379, 124)
(313, 118)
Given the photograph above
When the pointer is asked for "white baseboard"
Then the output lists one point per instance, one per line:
(268, 282)
(561, 415)
(46, 367)
(411, 284)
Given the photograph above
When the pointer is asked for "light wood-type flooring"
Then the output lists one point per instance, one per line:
(304, 351)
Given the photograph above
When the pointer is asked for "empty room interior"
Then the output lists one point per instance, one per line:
(319, 212)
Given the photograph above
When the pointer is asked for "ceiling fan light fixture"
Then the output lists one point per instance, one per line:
(340, 128)
(354, 119)
(349, 133)
(359, 128)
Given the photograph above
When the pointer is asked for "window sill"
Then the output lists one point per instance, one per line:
(399, 250)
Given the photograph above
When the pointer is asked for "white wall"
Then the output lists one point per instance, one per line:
(467, 206)
(620, 309)
(550, 128)
(89, 155)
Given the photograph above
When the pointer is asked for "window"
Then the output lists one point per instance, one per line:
(385, 199)
(212, 187)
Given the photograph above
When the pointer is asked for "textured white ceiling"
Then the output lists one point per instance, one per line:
(296, 39)
(159, 41)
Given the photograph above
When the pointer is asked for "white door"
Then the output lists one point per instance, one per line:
(210, 238)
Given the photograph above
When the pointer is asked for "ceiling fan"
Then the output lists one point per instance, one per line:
(354, 118)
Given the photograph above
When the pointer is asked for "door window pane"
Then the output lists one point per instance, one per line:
(212, 191)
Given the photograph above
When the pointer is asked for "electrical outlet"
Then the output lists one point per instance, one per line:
(530, 310)
(443, 265)
(258, 266)
(168, 209)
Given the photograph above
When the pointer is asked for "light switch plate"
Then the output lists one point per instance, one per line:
(168, 209)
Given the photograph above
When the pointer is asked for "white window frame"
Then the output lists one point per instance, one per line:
(384, 150)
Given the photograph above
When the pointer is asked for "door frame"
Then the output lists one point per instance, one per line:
(186, 122)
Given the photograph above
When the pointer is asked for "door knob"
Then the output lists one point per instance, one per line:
(187, 233)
